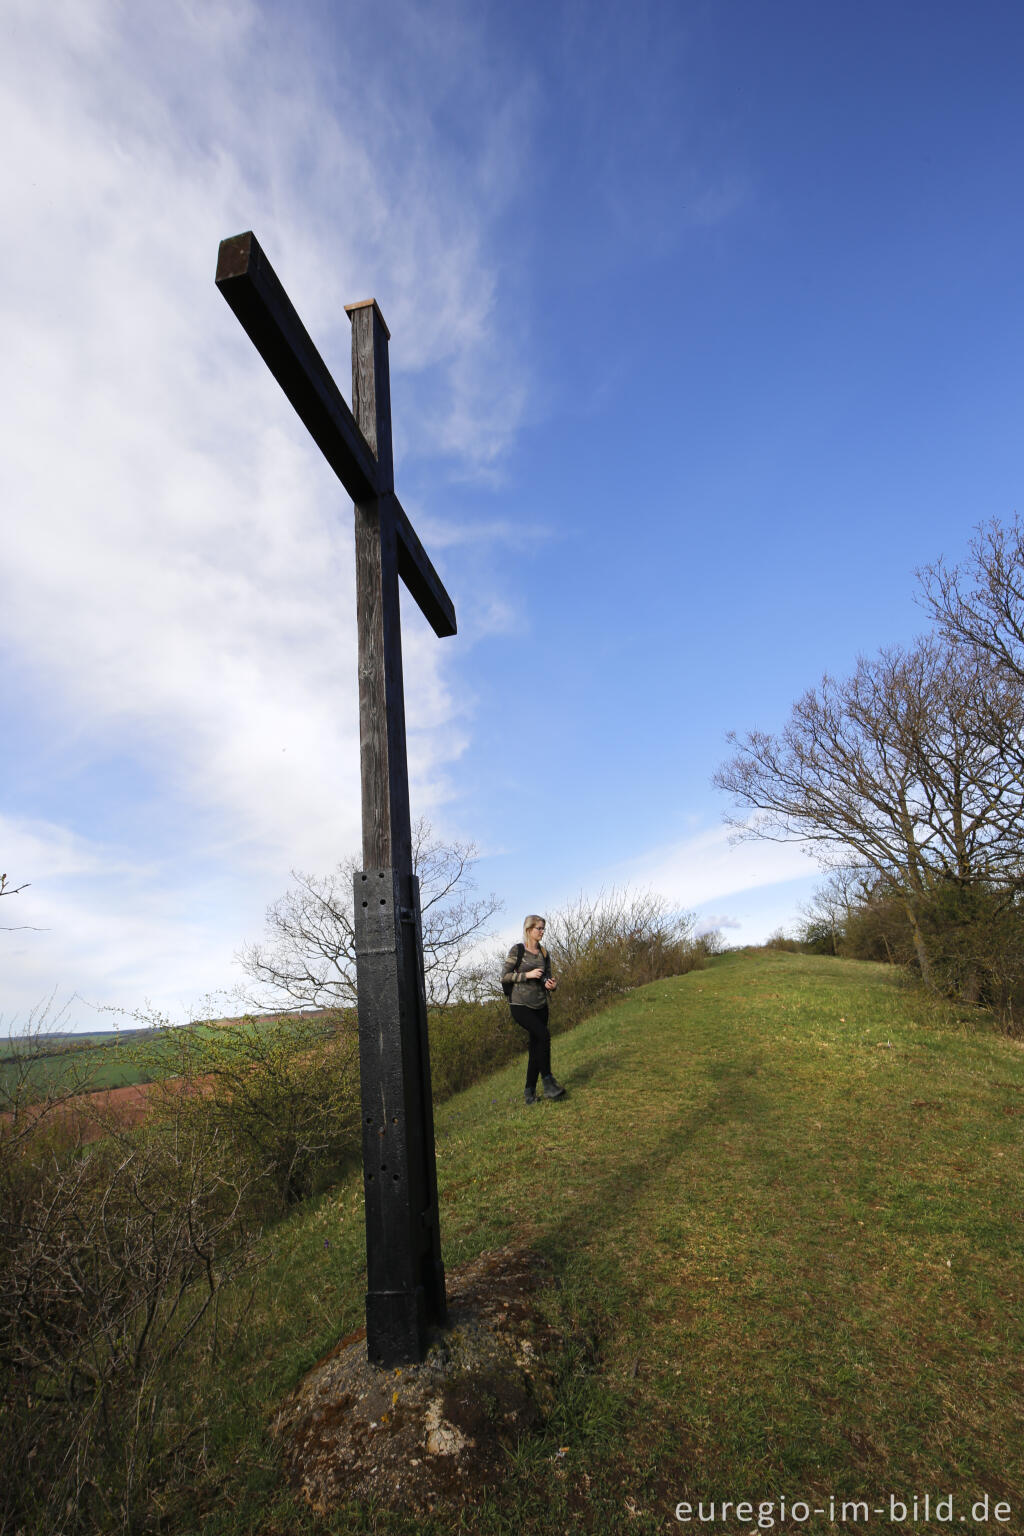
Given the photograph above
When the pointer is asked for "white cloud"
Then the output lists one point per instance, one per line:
(710, 866)
(177, 564)
(711, 922)
(107, 927)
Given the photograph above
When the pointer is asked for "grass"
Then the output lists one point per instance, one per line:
(784, 1201)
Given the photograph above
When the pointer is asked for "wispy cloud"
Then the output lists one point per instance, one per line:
(711, 922)
(177, 566)
(711, 865)
(689, 176)
(108, 927)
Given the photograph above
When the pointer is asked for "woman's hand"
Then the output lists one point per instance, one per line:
(551, 985)
(534, 975)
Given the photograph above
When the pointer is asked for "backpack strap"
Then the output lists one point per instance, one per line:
(546, 967)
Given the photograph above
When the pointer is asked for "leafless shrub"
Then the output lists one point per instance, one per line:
(283, 1093)
(601, 947)
(112, 1256)
(40, 1073)
(783, 941)
(709, 943)
(309, 956)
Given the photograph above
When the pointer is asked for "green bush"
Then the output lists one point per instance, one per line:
(283, 1093)
(468, 1041)
(974, 937)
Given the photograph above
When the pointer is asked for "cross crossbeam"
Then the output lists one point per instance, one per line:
(268, 317)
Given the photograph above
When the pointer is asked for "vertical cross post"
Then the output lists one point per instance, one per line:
(405, 1275)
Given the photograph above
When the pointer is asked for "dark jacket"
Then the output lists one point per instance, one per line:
(527, 994)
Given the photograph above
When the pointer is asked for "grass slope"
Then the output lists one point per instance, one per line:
(784, 1199)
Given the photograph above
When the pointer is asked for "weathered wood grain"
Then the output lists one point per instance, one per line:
(405, 1274)
(253, 290)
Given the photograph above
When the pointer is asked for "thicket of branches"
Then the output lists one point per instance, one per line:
(909, 777)
(624, 939)
(115, 1246)
(283, 1093)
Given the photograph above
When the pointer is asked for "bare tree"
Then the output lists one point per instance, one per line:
(826, 915)
(894, 769)
(309, 957)
(981, 604)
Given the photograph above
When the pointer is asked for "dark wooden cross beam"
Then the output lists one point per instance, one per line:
(405, 1276)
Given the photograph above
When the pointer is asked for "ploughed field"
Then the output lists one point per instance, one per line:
(86, 1117)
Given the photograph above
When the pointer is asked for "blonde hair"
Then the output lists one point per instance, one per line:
(528, 922)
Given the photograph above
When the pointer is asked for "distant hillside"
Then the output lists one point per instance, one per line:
(104, 1056)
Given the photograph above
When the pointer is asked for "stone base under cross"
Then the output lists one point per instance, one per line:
(417, 1436)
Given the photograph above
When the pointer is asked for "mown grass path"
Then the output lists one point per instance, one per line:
(785, 1198)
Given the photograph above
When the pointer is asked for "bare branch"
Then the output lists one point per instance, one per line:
(911, 767)
(981, 604)
(17, 927)
(309, 955)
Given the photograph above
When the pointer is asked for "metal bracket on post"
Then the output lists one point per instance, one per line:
(405, 1278)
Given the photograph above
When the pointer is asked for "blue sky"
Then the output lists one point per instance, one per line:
(706, 333)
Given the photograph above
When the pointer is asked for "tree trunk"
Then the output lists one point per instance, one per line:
(920, 948)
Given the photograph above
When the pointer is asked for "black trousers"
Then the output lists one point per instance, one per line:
(535, 1022)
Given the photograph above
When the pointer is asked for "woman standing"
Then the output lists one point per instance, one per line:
(529, 1003)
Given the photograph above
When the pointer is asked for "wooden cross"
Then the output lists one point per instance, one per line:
(405, 1276)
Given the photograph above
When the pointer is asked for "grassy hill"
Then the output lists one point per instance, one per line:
(785, 1202)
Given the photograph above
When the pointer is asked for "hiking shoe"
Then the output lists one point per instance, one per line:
(553, 1090)
(529, 1097)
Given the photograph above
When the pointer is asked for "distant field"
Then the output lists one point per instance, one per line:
(97, 1063)
(103, 1059)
